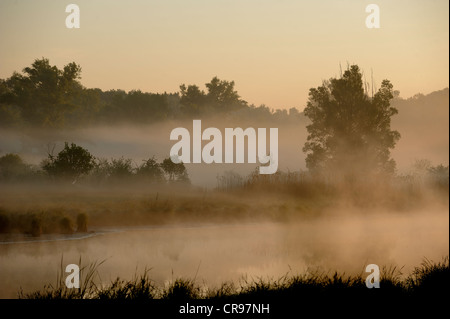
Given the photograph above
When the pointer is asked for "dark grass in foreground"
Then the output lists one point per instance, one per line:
(428, 280)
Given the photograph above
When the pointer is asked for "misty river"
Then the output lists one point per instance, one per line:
(213, 254)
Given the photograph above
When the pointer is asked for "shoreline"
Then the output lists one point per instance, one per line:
(17, 238)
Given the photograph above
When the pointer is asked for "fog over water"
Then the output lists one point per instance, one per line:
(342, 242)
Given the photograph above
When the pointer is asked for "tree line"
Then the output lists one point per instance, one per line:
(45, 96)
(74, 162)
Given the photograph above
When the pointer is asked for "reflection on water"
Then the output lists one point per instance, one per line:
(228, 252)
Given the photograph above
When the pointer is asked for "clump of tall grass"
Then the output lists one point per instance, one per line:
(88, 288)
(429, 278)
(139, 288)
(182, 289)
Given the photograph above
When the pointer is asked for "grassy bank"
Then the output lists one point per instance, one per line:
(35, 209)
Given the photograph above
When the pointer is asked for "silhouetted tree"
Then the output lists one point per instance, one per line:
(175, 171)
(72, 162)
(10, 114)
(43, 93)
(12, 167)
(440, 175)
(350, 131)
(222, 96)
(121, 168)
(192, 99)
(151, 170)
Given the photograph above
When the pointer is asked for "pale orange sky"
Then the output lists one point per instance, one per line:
(275, 50)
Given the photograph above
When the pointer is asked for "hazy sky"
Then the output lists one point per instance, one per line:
(275, 50)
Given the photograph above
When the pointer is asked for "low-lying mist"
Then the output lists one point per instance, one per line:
(341, 240)
(422, 122)
(143, 142)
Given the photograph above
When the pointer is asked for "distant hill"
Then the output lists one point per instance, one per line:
(423, 122)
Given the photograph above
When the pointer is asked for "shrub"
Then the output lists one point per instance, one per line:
(82, 223)
(12, 167)
(151, 170)
(121, 168)
(72, 162)
(65, 225)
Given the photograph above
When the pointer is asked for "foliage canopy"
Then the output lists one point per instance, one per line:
(350, 132)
